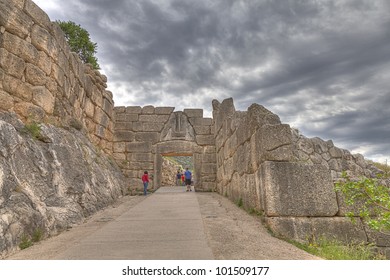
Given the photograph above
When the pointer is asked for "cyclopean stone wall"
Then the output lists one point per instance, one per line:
(268, 167)
(144, 135)
(43, 81)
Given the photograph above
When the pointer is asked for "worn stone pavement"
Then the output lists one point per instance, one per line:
(166, 225)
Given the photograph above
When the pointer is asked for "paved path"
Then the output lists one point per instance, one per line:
(166, 225)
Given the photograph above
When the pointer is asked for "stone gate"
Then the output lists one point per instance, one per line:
(144, 135)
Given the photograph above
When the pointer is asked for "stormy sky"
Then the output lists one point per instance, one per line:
(322, 66)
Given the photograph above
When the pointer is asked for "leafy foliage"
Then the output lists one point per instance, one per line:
(371, 199)
(80, 42)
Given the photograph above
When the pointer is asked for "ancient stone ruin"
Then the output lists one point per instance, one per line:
(88, 152)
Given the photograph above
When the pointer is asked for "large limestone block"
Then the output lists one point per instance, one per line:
(38, 15)
(101, 117)
(222, 111)
(35, 76)
(260, 116)
(19, 47)
(7, 101)
(89, 108)
(11, 63)
(122, 117)
(304, 229)
(148, 110)
(153, 118)
(58, 74)
(293, 189)
(340, 228)
(123, 126)
(14, 19)
(194, 113)
(142, 147)
(378, 238)
(274, 143)
(44, 62)
(43, 41)
(163, 110)
(140, 157)
(123, 136)
(17, 88)
(133, 109)
(43, 98)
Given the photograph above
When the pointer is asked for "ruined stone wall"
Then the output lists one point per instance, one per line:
(244, 141)
(144, 134)
(268, 167)
(43, 81)
(314, 151)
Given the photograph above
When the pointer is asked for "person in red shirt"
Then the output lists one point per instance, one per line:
(145, 181)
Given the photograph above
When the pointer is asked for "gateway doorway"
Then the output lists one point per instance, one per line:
(173, 167)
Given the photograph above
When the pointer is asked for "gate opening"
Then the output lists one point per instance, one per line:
(174, 164)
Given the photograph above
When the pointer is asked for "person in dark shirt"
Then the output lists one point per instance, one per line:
(188, 177)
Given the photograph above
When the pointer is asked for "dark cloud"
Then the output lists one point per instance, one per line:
(323, 66)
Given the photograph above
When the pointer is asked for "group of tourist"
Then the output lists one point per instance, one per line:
(182, 179)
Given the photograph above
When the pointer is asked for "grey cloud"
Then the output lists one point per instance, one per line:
(325, 62)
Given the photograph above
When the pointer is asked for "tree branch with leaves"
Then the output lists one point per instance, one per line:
(370, 197)
(79, 41)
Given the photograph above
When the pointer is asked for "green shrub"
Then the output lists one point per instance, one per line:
(240, 203)
(33, 129)
(37, 235)
(370, 198)
(25, 242)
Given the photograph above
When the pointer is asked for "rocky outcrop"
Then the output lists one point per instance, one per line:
(168, 173)
(50, 181)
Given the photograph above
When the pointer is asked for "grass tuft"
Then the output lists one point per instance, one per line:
(335, 250)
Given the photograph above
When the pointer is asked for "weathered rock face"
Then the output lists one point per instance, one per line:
(51, 185)
(168, 173)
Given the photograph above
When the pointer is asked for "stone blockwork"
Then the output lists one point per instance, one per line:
(144, 135)
(268, 167)
(315, 151)
(43, 81)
